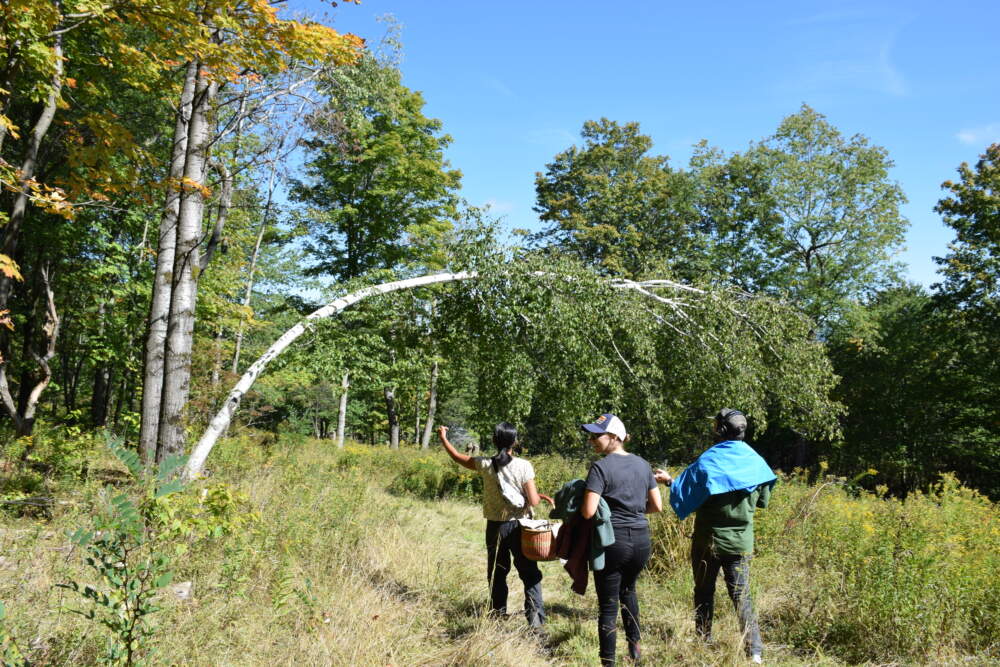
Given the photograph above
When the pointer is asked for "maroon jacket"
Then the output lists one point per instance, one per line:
(573, 546)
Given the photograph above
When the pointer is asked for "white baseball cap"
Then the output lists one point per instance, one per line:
(607, 423)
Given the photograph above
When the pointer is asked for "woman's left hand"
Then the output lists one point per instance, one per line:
(662, 476)
(547, 499)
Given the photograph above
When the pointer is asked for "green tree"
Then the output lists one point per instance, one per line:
(916, 383)
(377, 189)
(807, 213)
(616, 208)
(972, 267)
(969, 298)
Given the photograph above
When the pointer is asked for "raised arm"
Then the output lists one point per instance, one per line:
(463, 460)
(531, 493)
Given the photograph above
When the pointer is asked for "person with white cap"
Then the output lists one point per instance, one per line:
(625, 481)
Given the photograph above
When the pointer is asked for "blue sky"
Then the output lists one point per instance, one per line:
(513, 83)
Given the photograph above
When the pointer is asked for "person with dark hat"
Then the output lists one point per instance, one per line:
(722, 488)
(625, 481)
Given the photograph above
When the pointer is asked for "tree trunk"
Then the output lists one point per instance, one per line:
(425, 442)
(222, 214)
(24, 419)
(99, 397)
(120, 400)
(416, 419)
(225, 414)
(392, 416)
(342, 414)
(159, 308)
(180, 322)
(217, 358)
(102, 372)
(29, 165)
(253, 267)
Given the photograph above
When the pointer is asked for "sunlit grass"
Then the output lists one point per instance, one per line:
(372, 557)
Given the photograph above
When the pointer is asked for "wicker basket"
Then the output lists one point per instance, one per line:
(539, 543)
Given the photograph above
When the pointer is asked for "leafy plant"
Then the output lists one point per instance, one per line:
(122, 547)
(10, 653)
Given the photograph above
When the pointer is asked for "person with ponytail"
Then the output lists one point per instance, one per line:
(509, 494)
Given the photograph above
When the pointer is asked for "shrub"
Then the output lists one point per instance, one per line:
(122, 549)
(875, 578)
(430, 477)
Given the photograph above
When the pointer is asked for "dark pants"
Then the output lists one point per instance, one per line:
(503, 540)
(623, 561)
(706, 564)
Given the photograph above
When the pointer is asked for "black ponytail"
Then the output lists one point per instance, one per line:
(504, 439)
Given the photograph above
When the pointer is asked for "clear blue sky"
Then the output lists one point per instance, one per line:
(513, 83)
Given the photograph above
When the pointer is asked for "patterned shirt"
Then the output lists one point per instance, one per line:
(517, 472)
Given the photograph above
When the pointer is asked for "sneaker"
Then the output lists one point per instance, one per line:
(756, 659)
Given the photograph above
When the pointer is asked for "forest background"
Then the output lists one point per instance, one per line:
(182, 184)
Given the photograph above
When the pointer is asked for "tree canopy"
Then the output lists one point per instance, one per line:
(378, 189)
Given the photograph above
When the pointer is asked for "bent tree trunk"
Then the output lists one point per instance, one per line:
(220, 422)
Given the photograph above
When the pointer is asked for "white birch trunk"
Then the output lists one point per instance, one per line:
(221, 420)
(159, 307)
(253, 268)
(180, 325)
(342, 415)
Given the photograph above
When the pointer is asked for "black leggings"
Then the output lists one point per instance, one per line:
(623, 561)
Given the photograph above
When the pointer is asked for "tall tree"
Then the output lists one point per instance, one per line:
(617, 208)
(242, 47)
(806, 212)
(969, 297)
(971, 268)
(377, 188)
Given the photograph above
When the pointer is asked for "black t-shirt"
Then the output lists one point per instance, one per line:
(624, 481)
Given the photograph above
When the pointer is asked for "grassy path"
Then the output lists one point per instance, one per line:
(431, 554)
(337, 571)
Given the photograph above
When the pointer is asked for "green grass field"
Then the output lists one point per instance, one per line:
(302, 555)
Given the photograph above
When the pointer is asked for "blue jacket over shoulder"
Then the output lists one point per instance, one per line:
(728, 466)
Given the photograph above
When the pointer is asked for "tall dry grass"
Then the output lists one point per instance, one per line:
(371, 557)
